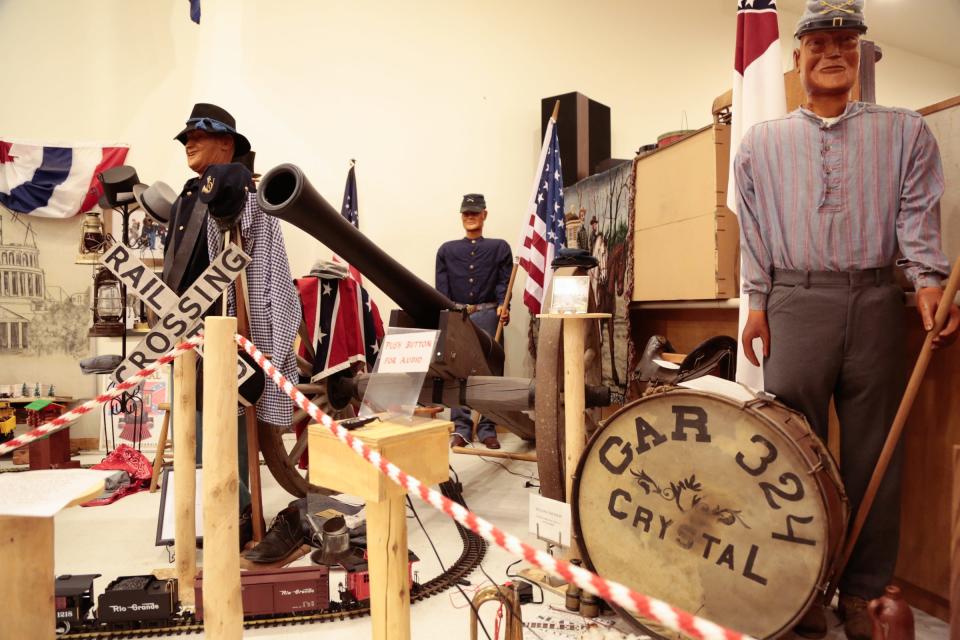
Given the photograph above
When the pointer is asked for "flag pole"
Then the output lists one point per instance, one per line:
(516, 260)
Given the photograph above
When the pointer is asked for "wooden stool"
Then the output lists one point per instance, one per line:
(162, 445)
(420, 448)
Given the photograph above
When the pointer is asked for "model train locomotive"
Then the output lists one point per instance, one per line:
(147, 601)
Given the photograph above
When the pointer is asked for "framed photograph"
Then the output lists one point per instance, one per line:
(570, 294)
(166, 515)
(146, 235)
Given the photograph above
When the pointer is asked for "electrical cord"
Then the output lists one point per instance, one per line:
(442, 567)
(519, 577)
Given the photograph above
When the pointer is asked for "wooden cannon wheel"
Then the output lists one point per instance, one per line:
(549, 394)
(281, 450)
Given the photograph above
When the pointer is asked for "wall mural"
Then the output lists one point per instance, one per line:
(602, 205)
(44, 303)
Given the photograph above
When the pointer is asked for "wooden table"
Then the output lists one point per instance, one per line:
(26, 546)
(419, 447)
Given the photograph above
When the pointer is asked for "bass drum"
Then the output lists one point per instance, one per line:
(733, 511)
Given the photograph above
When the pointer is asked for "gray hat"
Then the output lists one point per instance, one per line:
(473, 202)
(157, 199)
(827, 15)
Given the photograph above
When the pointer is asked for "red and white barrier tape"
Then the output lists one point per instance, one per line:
(644, 606)
(62, 421)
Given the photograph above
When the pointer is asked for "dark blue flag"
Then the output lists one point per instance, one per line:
(195, 11)
(350, 208)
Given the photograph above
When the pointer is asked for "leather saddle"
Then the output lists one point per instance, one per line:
(714, 356)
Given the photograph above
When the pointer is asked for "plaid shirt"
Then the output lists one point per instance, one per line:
(272, 300)
(852, 195)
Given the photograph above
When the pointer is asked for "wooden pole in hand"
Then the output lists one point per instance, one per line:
(185, 478)
(222, 608)
(955, 550)
(249, 412)
(899, 421)
(516, 264)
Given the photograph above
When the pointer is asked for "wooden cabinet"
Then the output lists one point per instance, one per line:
(686, 241)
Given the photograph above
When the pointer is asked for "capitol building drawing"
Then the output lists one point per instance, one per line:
(25, 296)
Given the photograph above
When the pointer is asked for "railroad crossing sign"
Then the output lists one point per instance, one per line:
(180, 317)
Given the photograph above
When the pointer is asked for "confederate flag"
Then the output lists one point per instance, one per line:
(758, 95)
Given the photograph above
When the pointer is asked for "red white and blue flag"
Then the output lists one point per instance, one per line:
(758, 95)
(545, 232)
(53, 182)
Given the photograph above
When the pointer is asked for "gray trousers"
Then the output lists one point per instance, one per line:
(842, 335)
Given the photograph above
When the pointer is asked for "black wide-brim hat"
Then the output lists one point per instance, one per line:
(213, 119)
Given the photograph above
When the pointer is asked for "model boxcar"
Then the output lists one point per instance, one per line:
(278, 591)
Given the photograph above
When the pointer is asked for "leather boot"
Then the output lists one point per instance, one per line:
(246, 526)
(856, 618)
(285, 535)
(813, 624)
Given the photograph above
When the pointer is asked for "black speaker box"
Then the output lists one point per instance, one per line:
(583, 127)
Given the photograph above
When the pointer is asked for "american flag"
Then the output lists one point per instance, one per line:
(758, 95)
(350, 209)
(545, 233)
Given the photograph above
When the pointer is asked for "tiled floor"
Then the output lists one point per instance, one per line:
(119, 540)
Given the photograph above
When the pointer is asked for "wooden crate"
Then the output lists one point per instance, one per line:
(686, 241)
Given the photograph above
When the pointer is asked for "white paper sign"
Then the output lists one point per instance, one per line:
(43, 493)
(550, 520)
(407, 352)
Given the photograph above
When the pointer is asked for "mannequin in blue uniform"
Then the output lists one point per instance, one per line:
(474, 272)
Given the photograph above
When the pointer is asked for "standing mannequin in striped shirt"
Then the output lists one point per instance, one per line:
(831, 197)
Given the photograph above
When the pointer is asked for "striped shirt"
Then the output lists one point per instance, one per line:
(274, 305)
(855, 194)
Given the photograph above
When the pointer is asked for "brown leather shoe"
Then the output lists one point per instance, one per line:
(457, 440)
(285, 535)
(491, 442)
(856, 619)
(813, 624)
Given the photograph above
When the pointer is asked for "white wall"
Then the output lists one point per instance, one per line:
(433, 98)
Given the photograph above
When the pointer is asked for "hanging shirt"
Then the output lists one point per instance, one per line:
(272, 301)
(474, 271)
(846, 196)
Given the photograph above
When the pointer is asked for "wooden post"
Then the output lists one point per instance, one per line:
(574, 339)
(26, 546)
(955, 550)
(575, 432)
(222, 608)
(388, 560)
(26, 589)
(185, 478)
(420, 448)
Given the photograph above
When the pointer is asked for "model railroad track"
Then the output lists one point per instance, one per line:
(474, 548)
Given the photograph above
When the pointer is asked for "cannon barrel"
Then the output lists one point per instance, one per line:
(285, 193)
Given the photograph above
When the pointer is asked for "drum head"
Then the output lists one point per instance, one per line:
(691, 498)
